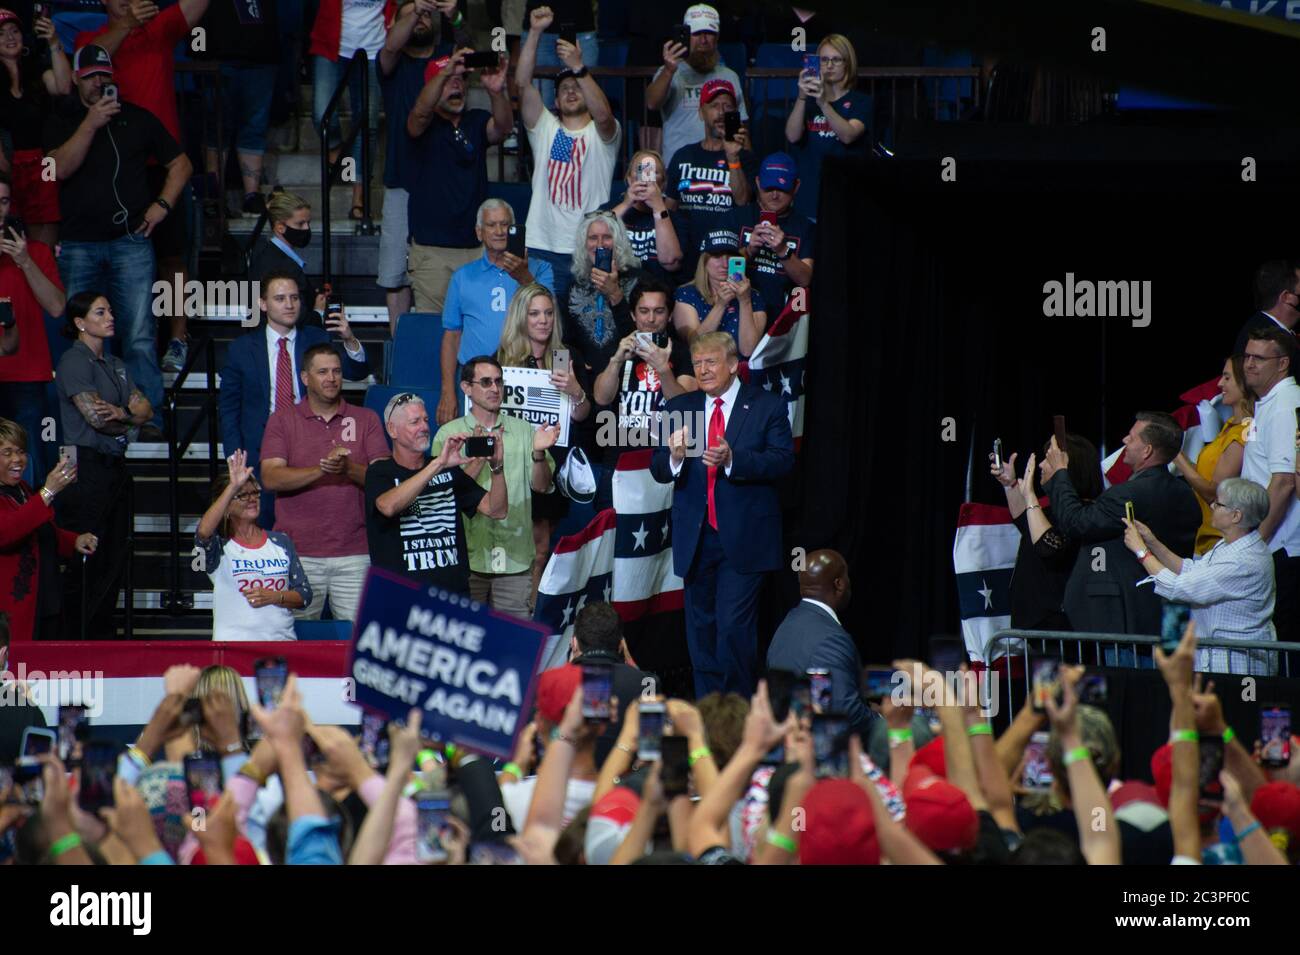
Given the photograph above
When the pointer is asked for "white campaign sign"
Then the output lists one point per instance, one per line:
(528, 394)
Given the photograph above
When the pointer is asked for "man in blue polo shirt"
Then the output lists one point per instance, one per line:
(478, 297)
(449, 145)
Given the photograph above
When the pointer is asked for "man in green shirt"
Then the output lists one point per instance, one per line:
(501, 553)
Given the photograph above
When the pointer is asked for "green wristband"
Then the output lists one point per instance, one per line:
(1229, 735)
(513, 769)
(424, 756)
(979, 729)
(460, 18)
(698, 754)
(1078, 755)
(66, 844)
(900, 736)
(775, 838)
(1184, 736)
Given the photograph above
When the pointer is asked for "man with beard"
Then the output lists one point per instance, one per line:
(315, 455)
(448, 145)
(416, 506)
(675, 89)
(575, 151)
(406, 56)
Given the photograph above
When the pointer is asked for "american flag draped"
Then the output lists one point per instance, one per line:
(777, 364)
(564, 170)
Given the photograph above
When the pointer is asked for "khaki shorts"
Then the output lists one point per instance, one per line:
(431, 268)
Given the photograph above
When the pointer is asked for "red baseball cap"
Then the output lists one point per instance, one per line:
(715, 88)
(840, 827)
(938, 813)
(555, 689)
(244, 854)
(932, 757)
(1162, 771)
(1277, 806)
(7, 15)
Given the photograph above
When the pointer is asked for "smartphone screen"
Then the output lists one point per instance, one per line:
(6, 313)
(1173, 622)
(645, 171)
(372, 731)
(831, 745)
(650, 731)
(736, 269)
(812, 63)
(37, 741)
(516, 241)
(1211, 749)
(1275, 734)
(597, 684)
(801, 696)
(431, 826)
(675, 768)
(1046, 683)
(271, 674)
(1092, 689)
(780, 684)
(494, 853)
(203, 780)
(947, 654)
(98, 769)
(878, 684)
(73, 728)
(1037, 775)
(819, 682)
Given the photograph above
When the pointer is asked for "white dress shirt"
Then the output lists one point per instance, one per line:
(1230, 589)
(728, 403)
(1270, 449)
(826, 607)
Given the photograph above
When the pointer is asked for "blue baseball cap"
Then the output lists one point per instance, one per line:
(778, 172)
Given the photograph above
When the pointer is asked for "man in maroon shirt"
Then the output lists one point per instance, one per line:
(314, 456)
(142, 43)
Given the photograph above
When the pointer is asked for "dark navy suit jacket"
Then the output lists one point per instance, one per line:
(809, 637)
(749, 508)
(246, 385)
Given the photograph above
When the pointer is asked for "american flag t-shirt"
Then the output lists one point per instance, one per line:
(564, 170)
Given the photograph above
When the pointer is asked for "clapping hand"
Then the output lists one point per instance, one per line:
(545, 437)
(1026, 483)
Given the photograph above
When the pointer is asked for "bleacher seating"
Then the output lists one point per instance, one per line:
(413, 361)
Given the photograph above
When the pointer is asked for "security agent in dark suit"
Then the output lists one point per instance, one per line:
(1102, 593)
(246, 397)
(289, 219)
(1277, 296)
(598, 638)
(811, 636)
(726, 509)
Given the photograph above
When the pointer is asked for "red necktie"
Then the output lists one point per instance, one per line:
(283, 377)
(717, 429)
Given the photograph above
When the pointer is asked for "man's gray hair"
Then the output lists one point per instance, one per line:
(489, 205)
(1245, 496)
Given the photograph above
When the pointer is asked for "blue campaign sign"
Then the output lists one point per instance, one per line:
(470, 669)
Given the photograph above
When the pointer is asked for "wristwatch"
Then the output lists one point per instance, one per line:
(579, 74)
(164, 203)
(1141, 554)
(663, 214)
(496, 468)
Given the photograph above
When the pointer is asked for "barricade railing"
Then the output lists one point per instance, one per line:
(1005, 645)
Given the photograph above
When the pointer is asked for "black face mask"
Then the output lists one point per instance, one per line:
(298, 238)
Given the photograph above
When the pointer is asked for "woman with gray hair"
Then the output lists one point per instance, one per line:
(1230, 588)
(605, 269)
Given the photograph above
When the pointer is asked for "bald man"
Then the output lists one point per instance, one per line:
(811, 636)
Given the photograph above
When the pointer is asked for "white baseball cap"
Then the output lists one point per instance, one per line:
(701, 18)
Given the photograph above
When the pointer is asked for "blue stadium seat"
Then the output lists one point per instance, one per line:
(377, 398)
(735, 56)
(770, 95)
(518, 194)
(413, 362)
(323, 629)
(948, 93)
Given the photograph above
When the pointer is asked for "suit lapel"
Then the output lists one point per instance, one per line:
(739, 414)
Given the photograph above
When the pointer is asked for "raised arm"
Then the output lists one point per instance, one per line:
(530, 100)
(601, 114)
(426, 103)
(377, 831)
(1098, 830)
(1184, 791)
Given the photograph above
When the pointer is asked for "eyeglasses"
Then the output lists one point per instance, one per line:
(1248, 358)
(404, 398)
(489, 382)
(248, 496)
(1218, 504)
(832, 60)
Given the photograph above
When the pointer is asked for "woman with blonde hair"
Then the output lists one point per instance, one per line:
(838, 123)
(529, 339)
(289, 217)
(257, 579)
(712, 302)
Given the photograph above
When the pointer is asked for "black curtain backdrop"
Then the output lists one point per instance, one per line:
(928, 306)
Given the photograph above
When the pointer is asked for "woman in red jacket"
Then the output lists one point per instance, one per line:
(30, 542)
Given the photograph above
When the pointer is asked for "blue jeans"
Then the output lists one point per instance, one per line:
(24, 402)
(561, 266)
(546, 56)
(122, 269)
(246, 91)
(326, 75)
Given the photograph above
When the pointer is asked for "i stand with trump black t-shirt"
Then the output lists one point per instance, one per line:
(426, 542)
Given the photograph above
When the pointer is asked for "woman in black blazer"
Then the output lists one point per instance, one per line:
(290, 220)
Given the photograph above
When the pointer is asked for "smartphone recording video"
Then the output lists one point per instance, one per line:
(1275, 735)
(821, 688)
(73, 729)
(203, 780)
(1173, 624)
(431, 812)
(98, 770)
(831, 745)
(271, 674)
(1037, 774)
(1046, 683)
(650, 731)
(674, 766)
(597, 685)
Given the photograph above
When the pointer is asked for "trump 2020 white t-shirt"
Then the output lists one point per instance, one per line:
(235, 569)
